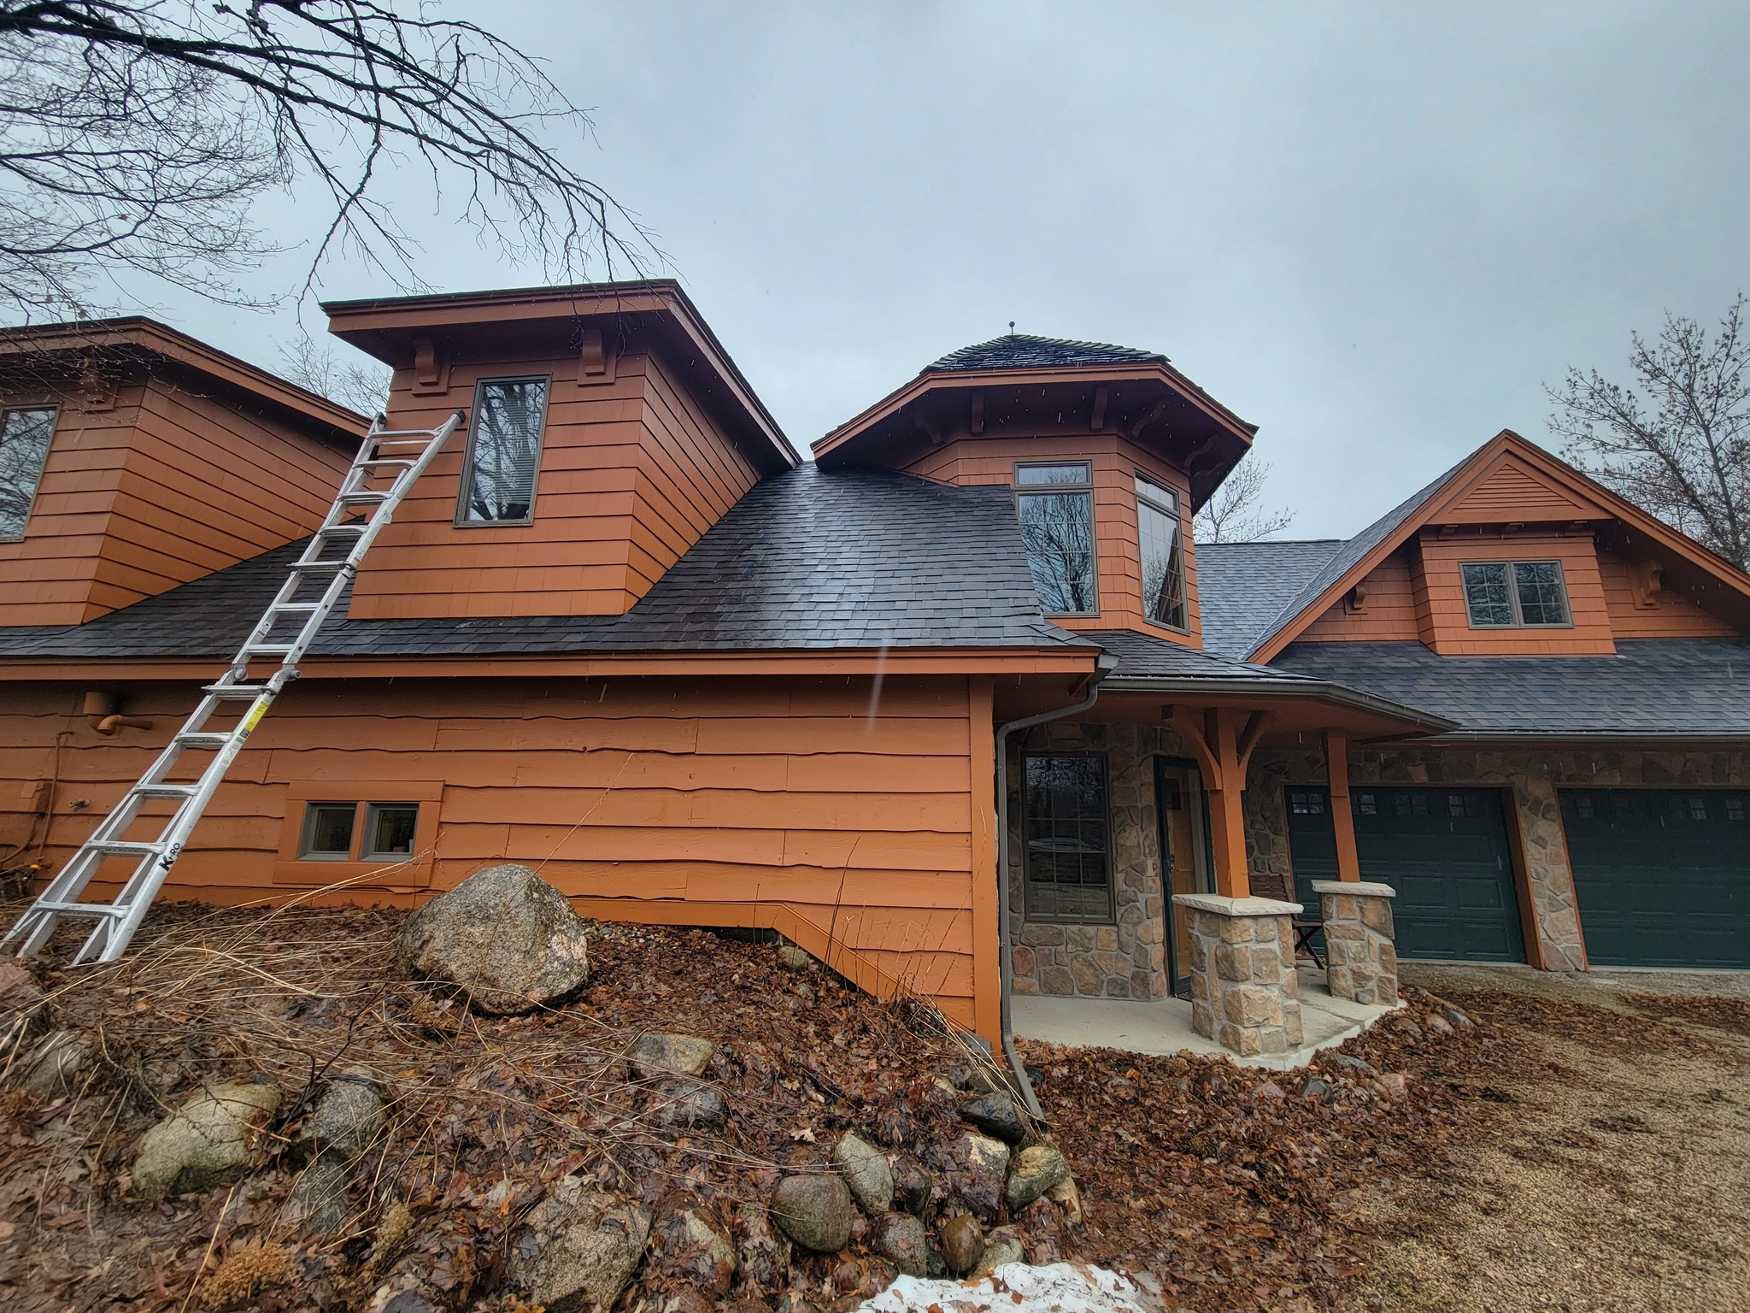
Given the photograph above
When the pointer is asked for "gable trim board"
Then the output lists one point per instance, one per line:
(1428, 505)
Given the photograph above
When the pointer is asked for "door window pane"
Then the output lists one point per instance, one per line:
(1067, 837)
(504, 449)
(24, 443)
(328, 831)
(389, 829)
(1542, 600)
(1163, 564)
(1058, 530)
(1485, 593)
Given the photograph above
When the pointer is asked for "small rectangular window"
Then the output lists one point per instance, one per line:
(1734, 807)
(24, 445)
(328, 831)
(1515, 594)
(1161, 541)
(389, 829)
(1055, 507)
(1067, 837)
(1367, 803)
(504, 452)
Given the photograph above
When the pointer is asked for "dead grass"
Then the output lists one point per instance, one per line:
(1619, 1182)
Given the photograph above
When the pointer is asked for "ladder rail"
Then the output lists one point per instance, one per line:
(116, 921)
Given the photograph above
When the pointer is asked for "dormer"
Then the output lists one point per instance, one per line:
(607, 430)
(134, 458)
(1110, 452)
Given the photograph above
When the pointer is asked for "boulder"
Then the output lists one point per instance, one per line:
(911, 1185)
(58, 1065)
(1000, 1248)
(684, 1103)
(345, 1120)
(962, 1243)
(690, 1249)
(669, 1055)
(1316, 1087)
(1394, 1085)
(901, 1239)
(973, 1077)
(996, 1114)
(1353, 1065)
(1455, 1016)
(1067, 1196)
(762, 1254)
(207, 1141)
(504, 937)
(1438, 1025)
(814, 1209)
(1038, 1168)
(578, 1248)
(866, 1171)
(981, 1166)
(1269, 1091)
(794, 958)
(318, 1204)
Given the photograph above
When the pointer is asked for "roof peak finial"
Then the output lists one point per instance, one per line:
(1011, 328)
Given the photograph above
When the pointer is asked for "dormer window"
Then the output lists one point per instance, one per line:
(504, 450)
(1163, 553)
(1055, 504)
(1515, 594)
(24, 443)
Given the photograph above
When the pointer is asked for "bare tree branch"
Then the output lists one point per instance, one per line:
(1236, 513)
(1675, 440)
(358, 385)
(140, 137)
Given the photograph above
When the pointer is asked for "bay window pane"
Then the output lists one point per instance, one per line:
(1163, 568)
(1058, 531)
(24, 443)
(504, 449)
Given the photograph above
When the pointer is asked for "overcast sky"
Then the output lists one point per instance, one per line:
(1374, 231)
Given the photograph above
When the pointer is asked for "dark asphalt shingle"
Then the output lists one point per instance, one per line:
(1242, 587)
(806, 560)
(1142, 656)
(1652, 686)
(1024, 351)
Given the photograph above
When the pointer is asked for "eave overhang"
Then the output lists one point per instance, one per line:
(1403, 720)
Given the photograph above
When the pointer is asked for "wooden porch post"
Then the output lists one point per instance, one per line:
(1223, 739)
(1342, 816)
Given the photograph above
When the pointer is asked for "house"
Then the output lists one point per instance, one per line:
(963, 682)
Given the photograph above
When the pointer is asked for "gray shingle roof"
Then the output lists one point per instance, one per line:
(1651, 687)
(1142, 656)
(1024, 351)
(1241, 587)
(806, 560)
(1349, 554)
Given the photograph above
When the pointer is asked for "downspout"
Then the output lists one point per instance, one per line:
(1090, 694)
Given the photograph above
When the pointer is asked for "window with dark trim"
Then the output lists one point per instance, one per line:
(504, 451)
(1055, 505)
(357, 831)
(1066, 835)
(25, 432)
(1515, 594)
(1163, 553)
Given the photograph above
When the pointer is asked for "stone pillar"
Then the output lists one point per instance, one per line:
(1243, 992)
(1359, 948)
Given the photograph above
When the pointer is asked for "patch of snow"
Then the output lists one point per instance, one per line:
(1020, 1288)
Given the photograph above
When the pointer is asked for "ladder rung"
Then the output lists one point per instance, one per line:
(296, 606)
(344, 528)
(202, 740)
(318, 565)
(165, 790)
(238, 691)
(363, 495)
(79, 909)
(269, 649)
(124, 848)
(375, 461)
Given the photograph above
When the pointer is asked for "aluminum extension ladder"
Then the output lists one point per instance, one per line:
(359, 513)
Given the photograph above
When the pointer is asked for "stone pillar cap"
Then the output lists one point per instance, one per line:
(1360, 888)
(1224, 906)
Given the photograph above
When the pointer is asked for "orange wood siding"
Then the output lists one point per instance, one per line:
(1387, 613)
(968, 461)
(1511, 492)
(632, 472)
(1447, 619)
(672, 799)
(165, 485)
(1665, 614)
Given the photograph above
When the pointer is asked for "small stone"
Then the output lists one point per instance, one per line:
(1000, 1249)
(794, 958)
(981, 1166)
(1409, 1028)
(207, 1141)
(901, 1238)
(815, 1210)
(346, 1118)
(762, 1254)
(1269, 1091)
(1316, 1088)
(318, 1204)
(1037, 1169)
(1456, 1017)
(688, 1103)
(866, 1171)
(962, 1243)
(1359, 1066)
(996, 1114)
(686, 1247)
(973, 1077)
(670, 1055)
(578, 1248)
(911, 1184)
(23, 1011)
(1067, 1195)
(58, 1065)
(1394, 1085)
(1439, 1026)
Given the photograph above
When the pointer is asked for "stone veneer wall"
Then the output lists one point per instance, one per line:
(1126, 959)
(1532, 776)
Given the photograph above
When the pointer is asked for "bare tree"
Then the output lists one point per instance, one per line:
(361, 385)
(140, 137)
(1236, 511)
(1676, 439)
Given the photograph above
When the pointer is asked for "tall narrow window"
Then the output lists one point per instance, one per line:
(24, 443)
(1514, 594)
(1055, 504)
(504, 449)
(1068, 849)
(1163, 554)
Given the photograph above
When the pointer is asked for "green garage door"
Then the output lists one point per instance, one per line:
(1443, 850)
(1662, 875)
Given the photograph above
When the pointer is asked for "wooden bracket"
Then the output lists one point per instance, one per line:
(1149, 418)
(976, 424)
(96, 389)
(1248, 740)
(431, 372)
(1649, 582)
(1357, 599)
(1097, 419)
(595, 363)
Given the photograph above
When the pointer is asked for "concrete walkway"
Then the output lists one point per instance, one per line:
(1165, 1026)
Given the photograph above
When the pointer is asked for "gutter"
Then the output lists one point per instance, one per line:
(1089, 694)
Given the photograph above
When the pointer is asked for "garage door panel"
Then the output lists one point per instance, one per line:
(1662, 876)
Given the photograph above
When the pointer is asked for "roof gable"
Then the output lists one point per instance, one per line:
(1532, 471)
(1510, 490)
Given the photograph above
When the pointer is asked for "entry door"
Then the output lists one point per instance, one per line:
(1184, 829)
